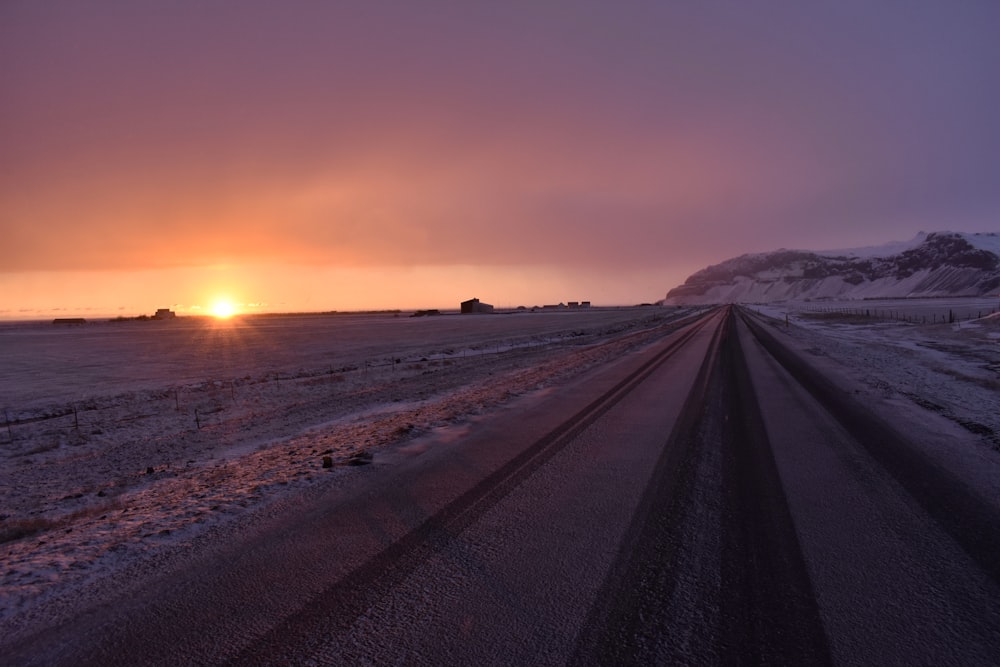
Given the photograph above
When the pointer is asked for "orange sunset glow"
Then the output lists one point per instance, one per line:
(366, 156)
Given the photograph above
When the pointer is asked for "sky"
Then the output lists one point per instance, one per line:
(304, 155)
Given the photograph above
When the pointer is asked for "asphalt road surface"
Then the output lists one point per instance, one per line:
(712, 499)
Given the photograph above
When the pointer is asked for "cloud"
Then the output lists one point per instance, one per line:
(380, 135)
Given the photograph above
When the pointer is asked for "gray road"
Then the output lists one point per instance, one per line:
(710, 500)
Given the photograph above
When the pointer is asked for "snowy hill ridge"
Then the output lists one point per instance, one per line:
(930, 265)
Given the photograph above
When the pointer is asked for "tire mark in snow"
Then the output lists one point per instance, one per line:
(711, 570)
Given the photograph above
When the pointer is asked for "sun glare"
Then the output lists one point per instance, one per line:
(223, 309)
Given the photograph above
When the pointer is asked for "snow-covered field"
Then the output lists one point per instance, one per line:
(126, 444)
(910, 350)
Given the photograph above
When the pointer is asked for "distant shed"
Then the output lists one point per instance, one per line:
(475, 306)
(164, 314)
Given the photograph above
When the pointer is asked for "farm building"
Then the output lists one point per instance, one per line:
(476, 306)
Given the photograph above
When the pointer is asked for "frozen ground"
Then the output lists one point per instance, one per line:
(133, 447)
(908, 350)
(128, 444)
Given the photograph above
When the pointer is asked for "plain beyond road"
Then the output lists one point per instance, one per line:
(714, 491)
(42, 363)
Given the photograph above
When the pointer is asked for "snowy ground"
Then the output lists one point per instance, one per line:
(159, 442)
(908, 350)
(128, 444)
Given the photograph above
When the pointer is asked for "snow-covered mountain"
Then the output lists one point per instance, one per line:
(930, 265)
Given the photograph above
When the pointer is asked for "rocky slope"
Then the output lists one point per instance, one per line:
(931, 265)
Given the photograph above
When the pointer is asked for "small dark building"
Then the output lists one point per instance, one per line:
(475, 306)
(164, 314)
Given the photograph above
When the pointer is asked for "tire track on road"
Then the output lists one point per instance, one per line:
(971, 521)
(345, 600)
(775, 620)
(711, 571)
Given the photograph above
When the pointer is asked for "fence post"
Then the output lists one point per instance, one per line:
(197, 419)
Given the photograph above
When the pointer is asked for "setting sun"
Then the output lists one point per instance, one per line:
(223, 308)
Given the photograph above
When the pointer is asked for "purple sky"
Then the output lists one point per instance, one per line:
(376, 154)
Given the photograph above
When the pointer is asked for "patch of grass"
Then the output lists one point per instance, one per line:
(11, 530)
(976, 427)
(16, 529)
(925, 404)
(985, 383)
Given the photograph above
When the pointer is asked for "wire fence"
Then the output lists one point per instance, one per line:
(898, 315)
(200, 402)
(207, 402)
